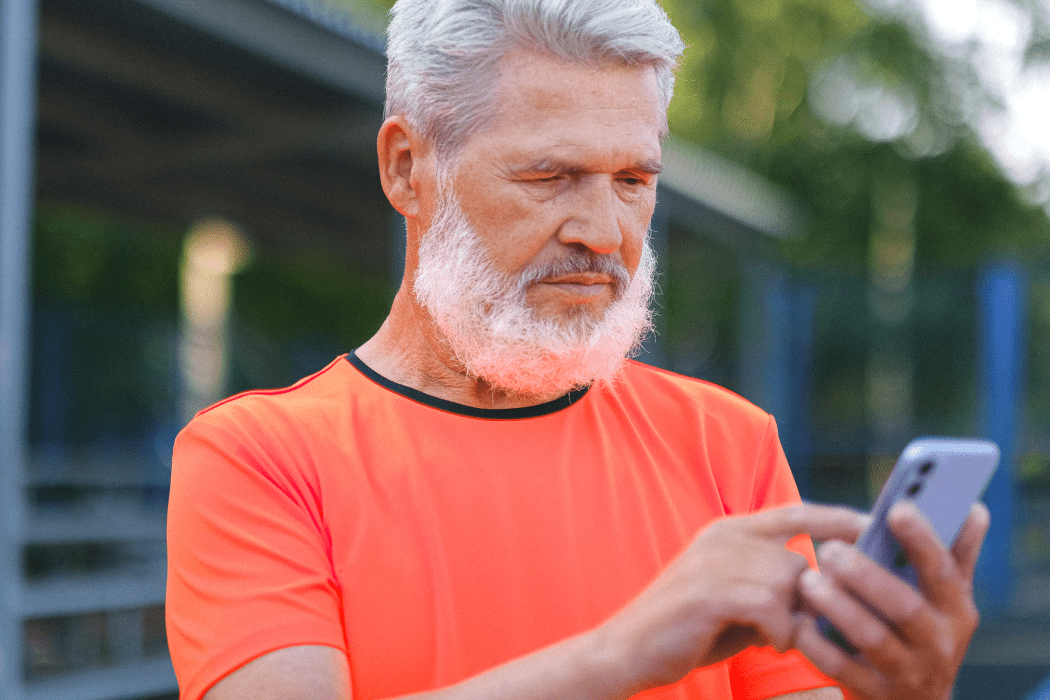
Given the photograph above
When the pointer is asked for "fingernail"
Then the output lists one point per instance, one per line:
(904, 508)
(809, 579)
(904, 513)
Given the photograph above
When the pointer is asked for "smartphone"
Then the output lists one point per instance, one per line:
(943, 477)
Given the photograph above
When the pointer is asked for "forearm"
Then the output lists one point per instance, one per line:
(582, 668)
(587, 667)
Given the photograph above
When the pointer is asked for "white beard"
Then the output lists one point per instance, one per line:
(496, 336)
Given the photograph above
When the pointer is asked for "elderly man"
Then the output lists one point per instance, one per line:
(486, 500)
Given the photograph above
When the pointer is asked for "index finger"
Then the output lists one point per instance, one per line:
(820, 522)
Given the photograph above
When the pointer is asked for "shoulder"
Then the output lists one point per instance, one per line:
(312, 399)
(669, 394)
(310, 392)
(727, 443)
(270, 426)
(280, 441)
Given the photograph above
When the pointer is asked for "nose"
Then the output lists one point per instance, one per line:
(591, 217)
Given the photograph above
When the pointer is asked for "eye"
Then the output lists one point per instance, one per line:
(540, 177)
(547, 181)
(633, 179)
(633, 182)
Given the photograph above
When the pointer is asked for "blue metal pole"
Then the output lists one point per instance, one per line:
(1002, 303)
(18, 47)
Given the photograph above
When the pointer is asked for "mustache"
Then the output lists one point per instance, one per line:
(576, 261)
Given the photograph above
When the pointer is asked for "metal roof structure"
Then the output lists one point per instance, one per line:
(170, 111)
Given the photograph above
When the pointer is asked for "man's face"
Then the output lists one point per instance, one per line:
(534, 292)
(569, 163)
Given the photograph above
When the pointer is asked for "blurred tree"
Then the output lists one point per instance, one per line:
(85, 258)
(833, 103)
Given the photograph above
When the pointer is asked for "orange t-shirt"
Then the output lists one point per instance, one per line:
(431, 541)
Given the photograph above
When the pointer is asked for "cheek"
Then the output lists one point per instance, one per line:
(632, 255)
(512, 236)
(634, 240)
(514, 231)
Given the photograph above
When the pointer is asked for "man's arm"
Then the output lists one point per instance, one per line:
(735, 586)
(294, 673)
(309, 672)
(576, 668)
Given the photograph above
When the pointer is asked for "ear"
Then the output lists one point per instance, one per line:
(403, 155)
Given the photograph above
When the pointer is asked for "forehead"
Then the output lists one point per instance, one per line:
(547, 104)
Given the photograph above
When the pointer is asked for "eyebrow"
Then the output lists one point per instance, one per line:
(652, 166)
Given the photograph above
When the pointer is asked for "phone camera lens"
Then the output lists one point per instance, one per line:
(926, 468)
(914, 489)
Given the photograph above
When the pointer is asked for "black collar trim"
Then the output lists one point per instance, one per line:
(542, 409)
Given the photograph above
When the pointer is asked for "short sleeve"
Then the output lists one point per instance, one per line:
(758, 673)
(249, 562)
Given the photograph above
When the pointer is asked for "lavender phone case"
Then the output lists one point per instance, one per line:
(943, 477)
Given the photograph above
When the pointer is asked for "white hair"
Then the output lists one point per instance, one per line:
(443, 55)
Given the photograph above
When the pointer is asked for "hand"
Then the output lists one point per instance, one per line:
(736, 585)
(914, 651)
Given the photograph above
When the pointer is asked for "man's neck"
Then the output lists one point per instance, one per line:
(409, 350)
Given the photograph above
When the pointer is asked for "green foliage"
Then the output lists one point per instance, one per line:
(969, 210)
(85, 257)
(743, 92)
(1038, 366)
(746, 69)
(285, 294)
(297, 310)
